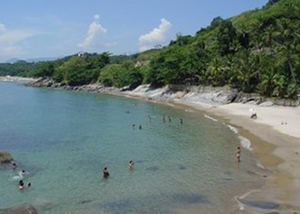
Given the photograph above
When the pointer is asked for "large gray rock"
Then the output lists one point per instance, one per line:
(22, 209)
(5, 157)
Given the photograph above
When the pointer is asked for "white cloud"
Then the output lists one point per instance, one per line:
(10, 41)
(155, 37)
(94, 36)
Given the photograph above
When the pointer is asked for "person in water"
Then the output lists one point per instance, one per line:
(14, 165)
(131, 164)
(140, 127)
(21, 185)
(238, 154)
(181, 121)
(105, 172)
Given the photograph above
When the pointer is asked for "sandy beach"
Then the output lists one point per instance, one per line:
(16, 79)
(275, 139)
(274, 136)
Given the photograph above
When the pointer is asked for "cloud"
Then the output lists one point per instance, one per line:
(10, 41)
(94, 38)
(154, 37)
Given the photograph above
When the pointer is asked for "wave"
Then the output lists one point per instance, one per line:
(238, 199)
(246, 143)
(259, 165)
(235, 130)
(211, 118)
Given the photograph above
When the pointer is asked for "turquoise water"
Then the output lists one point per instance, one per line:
(63, 139)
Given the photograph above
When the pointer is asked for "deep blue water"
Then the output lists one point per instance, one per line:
(63, 139)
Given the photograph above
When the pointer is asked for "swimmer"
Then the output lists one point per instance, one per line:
(238, 154)
(105, 172)
(149, 118)
(14, 165)
(29, 184)
(131, 164)
(20, 176)
(21, 185)
(133, 126)
(164, 119)
(169, 119)
(181, 121)
(140, 127)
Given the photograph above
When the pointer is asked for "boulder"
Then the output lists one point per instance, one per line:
(5, 157)
(22, 209)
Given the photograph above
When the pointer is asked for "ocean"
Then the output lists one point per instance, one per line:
(63, 139)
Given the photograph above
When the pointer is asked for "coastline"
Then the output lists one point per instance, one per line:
(275, 141)
(16, 79)
(274, 137)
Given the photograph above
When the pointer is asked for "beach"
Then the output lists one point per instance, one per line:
(16, 79)
(274, 136)
(275, 139)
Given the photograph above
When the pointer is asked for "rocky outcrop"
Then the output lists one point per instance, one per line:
(202, 94)
(22, 209)
(5, 157)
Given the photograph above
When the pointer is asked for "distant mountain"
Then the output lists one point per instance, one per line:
(42, 59)
(12, 60)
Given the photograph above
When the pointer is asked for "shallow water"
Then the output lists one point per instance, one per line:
(63, 139)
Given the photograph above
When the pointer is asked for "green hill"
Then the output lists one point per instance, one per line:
(256, 51)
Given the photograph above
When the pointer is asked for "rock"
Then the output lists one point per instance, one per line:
(22, 209)
(5, 157)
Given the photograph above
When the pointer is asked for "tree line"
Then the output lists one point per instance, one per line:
(257, 51)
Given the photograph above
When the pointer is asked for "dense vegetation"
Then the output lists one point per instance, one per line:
(257, 51)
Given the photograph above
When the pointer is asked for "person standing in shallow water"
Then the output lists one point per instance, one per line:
(238, 154)
(131, 164)
(105, 172)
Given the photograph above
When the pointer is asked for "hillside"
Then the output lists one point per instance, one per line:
(256, 51)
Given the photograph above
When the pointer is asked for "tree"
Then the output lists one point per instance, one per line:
(226, 36)
(216, 22)
(271, 2)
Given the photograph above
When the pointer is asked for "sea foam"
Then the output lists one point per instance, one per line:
(211, 118)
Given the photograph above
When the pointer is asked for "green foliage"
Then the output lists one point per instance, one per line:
(256, 51)
(226, 36)
(121, 75)
(20, 68)
(44, 69)
(271, 2)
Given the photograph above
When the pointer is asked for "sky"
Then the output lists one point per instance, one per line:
(32, 29)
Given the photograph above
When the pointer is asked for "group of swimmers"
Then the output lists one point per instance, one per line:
(106, 172)
(170, 120)
(133, 126)
(238, 154)
(20, 177)
(163, 118)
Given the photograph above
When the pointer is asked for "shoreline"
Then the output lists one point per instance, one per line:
(16, 79)
(276, 145)
(274, 136)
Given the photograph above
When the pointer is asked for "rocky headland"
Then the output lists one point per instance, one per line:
(202, 94)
